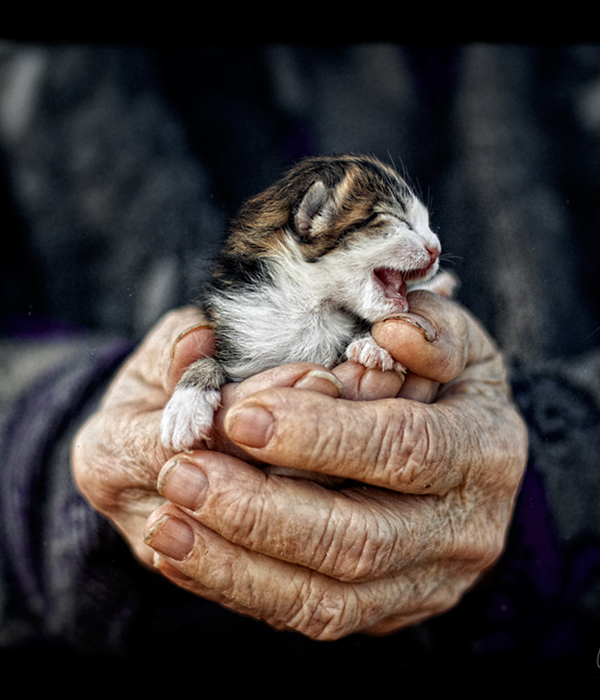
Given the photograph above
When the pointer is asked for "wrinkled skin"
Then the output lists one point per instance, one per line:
(427, 475)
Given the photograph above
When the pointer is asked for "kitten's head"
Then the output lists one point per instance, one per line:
(348, 223)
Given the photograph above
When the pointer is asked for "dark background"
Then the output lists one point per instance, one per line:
(120, 166)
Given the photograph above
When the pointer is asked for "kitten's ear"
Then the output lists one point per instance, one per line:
(316, 211)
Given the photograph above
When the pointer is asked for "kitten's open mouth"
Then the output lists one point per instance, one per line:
(391, 282)
(394, 283)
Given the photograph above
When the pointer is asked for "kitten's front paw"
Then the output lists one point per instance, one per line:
(444, 283)
(187, 418)
(366, 352)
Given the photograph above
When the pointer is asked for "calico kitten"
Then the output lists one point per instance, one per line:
(309, 265)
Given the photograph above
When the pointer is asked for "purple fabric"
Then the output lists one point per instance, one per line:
(37, 327)
(36, 425)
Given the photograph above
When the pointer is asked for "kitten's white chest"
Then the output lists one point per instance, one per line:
(274, 326)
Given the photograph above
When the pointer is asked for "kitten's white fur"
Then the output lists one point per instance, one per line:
(188, 417)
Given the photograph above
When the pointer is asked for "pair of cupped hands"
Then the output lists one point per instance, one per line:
(419, 476)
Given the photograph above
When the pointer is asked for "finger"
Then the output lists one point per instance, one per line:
(418, 388)
(365, 384)
(285, 595)
(190, 345)
(431, 340)
(145, 374)
(350, 534)
(397, 444)
(299, 375)
(304, 376)
(388, 443)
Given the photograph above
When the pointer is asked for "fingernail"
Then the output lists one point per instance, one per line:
(321, 381)
(187, 331)
(171, 537)
(251, 426)
(419, 322)
(183, 483)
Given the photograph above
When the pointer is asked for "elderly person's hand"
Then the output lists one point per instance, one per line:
(117, 455)
(424, 510)
(325, 562)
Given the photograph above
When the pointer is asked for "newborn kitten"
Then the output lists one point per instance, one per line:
(310, 264)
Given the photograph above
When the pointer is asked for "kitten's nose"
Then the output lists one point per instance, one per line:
(434, 254)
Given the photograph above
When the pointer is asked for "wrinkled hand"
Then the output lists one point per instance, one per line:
(117, 455)
(426, 509)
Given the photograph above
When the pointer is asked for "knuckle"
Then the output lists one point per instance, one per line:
(476, 541)
(502, 450)
(327, 612)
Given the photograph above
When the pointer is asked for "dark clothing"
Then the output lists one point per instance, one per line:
(121, 167)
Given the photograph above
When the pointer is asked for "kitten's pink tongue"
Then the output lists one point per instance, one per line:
(392, 282)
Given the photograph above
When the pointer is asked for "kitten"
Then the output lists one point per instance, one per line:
(309, 265)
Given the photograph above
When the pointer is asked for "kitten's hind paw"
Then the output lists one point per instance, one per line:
(445, 284)
(187, 418)
(366, 352)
